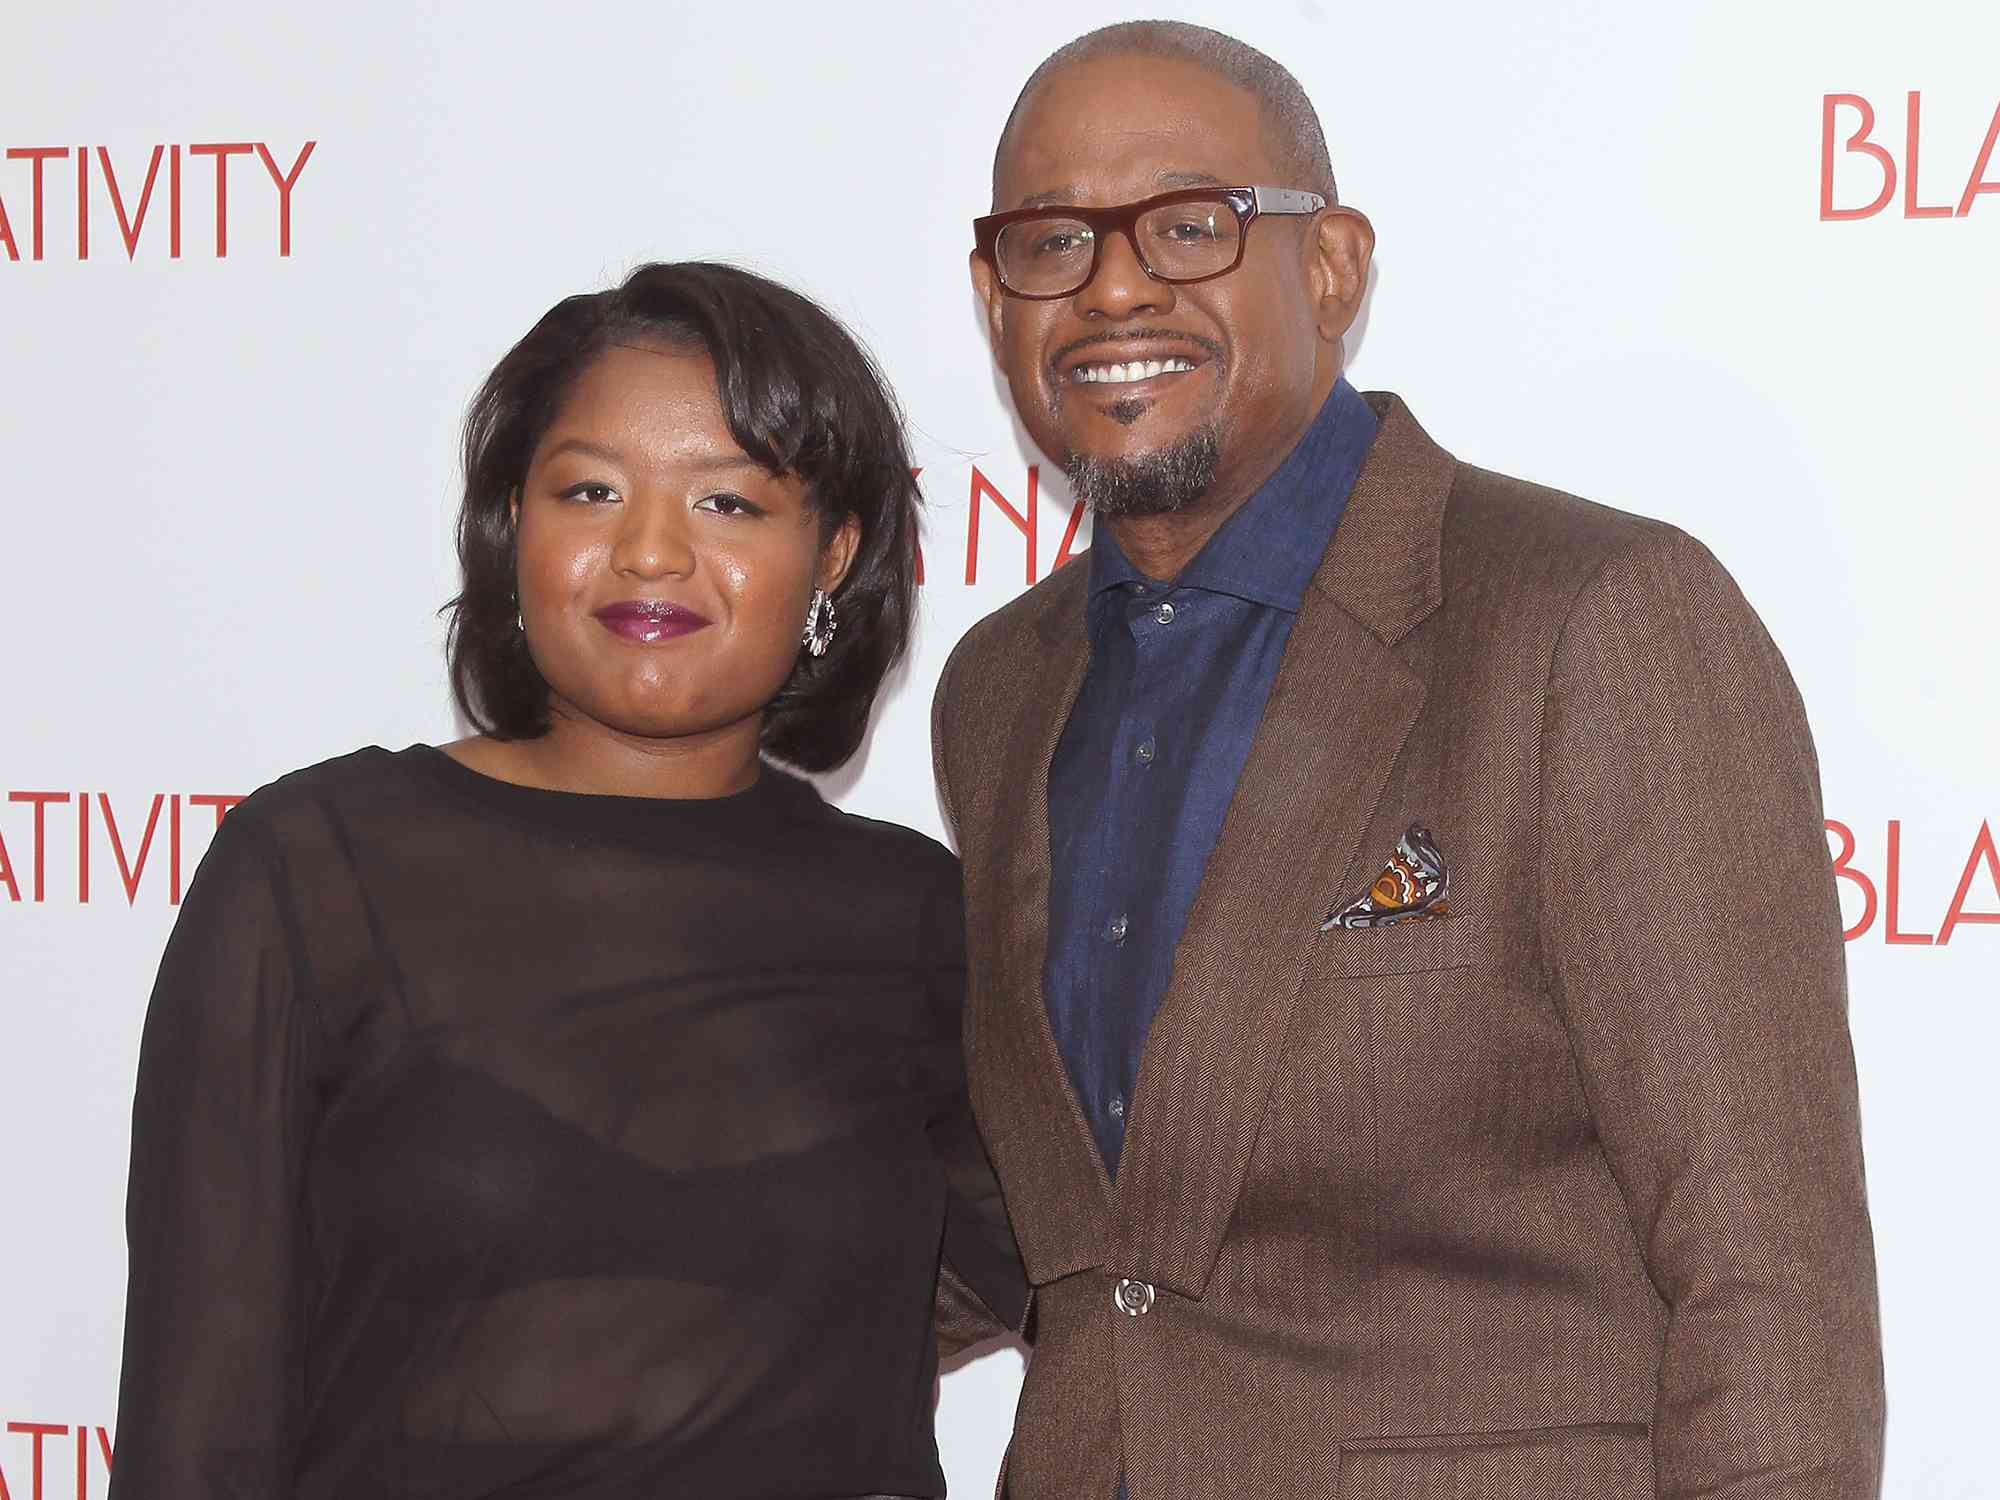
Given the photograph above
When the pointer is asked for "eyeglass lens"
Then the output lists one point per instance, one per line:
(1175, 242)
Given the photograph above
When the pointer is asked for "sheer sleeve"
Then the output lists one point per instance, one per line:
(210, 1394)
(982, 1290)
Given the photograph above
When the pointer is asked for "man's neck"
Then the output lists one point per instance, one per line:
(1160, 546)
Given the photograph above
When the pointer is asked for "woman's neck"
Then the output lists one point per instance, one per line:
(580, 755)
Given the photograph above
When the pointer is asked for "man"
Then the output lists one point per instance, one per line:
(1408, 1009)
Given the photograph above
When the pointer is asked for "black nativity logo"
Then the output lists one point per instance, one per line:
(1847, 129)
(1024, 519)
(1878, 890)
(85, 846)
(63, 201)
(52, 1458)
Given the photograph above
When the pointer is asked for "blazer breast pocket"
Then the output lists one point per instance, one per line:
(1602, 1461)
(1450, 942)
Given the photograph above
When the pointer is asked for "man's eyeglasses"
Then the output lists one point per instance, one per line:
(1191, 235)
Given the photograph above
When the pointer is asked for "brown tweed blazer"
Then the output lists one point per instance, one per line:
(1559, 1195)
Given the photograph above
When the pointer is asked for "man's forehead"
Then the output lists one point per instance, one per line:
(1129, 126)
(1100, 178)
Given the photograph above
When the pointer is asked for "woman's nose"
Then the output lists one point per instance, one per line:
(654, 540)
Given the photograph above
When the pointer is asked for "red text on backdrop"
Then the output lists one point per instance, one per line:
(48, 1459)
(1885, 897)
(71, 843)
(60, 195)
(1860, 142)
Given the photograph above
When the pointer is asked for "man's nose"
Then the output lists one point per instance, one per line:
(1120, 286)
(655, 540)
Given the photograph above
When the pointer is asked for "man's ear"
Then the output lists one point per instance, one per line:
(986, 286)
(836, 558)
(1341, 246)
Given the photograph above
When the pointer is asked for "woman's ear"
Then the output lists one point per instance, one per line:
(836, 558)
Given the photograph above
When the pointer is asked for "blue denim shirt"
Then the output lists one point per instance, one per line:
(1179, 673)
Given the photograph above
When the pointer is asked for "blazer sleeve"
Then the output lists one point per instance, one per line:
(1693, 933)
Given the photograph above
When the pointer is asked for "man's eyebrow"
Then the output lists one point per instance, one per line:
(1166, 180)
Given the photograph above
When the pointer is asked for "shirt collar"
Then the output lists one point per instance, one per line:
(1268, 550)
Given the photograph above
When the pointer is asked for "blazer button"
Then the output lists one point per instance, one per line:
(1133, 1298)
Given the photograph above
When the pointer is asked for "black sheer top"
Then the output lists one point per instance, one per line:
(501, 1142)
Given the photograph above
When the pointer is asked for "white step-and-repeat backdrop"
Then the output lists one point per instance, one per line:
(1733, 265)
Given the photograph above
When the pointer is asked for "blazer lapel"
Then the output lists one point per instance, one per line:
(1342, 706)
(1027, 1109)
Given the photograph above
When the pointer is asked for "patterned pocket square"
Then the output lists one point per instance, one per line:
(1410, 888)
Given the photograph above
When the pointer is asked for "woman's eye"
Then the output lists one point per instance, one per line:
(591, 493)
(726, 504)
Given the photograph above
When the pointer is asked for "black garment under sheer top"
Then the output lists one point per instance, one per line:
(501, 1142)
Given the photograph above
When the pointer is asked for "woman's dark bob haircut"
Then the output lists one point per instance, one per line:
(800, 396)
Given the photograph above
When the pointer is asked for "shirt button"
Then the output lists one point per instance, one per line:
(1116, 928)
(1132, 1298)
(1164, 614)
(1144, 754)
(1117, 1106)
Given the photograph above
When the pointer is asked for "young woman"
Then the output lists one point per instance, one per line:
(576, 1110)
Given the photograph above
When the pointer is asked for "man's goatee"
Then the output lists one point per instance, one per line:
(1151, 484)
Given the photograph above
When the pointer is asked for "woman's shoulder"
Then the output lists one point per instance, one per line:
(287, 844)
(306, 806)
(880, 839)
(886, 858)
(362, 771)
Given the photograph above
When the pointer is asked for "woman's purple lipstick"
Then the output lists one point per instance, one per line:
(648, 620)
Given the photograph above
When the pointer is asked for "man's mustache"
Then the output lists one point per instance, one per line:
(1133, 335)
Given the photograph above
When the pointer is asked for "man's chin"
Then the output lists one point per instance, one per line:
(1145, 480)
(1131, 430)
(1086, 420)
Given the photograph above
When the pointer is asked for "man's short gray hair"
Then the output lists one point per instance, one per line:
(1288, 114)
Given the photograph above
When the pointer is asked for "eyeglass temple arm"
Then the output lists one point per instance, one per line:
(1287, 201)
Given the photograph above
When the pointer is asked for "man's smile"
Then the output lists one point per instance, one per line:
(1130, 357)
(1124, 378)
(1128, 371)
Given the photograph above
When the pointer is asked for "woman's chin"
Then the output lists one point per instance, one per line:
(670, 721)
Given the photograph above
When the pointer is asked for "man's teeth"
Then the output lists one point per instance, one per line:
(1138, 369)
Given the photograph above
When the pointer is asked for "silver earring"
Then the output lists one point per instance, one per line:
(820, 624)
(519, 623)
